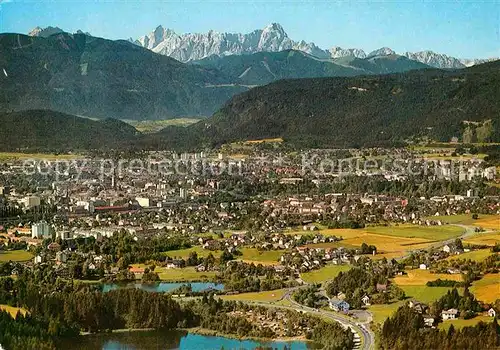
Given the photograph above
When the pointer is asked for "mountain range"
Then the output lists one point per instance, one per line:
(84, 75)
(370, 110)
(265, 67)
(196, 46)
(378, 110)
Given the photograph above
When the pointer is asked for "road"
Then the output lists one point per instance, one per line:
(364, 338)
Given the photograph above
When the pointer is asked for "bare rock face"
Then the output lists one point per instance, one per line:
(196, 46)
(435, 59)
(45, 32)
(338, 52)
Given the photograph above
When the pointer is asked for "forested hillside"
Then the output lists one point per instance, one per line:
(363, 111)
(53, 131)
(95, 77)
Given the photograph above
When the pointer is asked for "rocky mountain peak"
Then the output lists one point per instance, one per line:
(45, 32)
(196, 46)
(383, 51)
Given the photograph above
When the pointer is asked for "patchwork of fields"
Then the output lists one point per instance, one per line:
(421, 277)
(489, 222)
(487, 289)
(475, 255)
(391, 241)
(463, 219)
(425, 232)
(489, 239)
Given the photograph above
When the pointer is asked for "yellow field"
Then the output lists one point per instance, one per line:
(490, 222)
(152, 126)
(460, 323)
(395, 246)
(45, 156)
(435, 233)
(440, 156)
(278, 140)
(13, 310)
(464, 219)
(324, 274)
(338, 232)
(487, 289)
(475, 255)
(489, 239)
(271, 295)
(15, 255)
(421, 277)
(391, 241)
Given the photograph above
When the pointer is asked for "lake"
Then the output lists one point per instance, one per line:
(182, 340)
(164, 286)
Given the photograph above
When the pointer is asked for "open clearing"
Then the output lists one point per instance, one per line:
(184, 253)
(180, 275)
(43, 156)
(391, 241)
(269, 296)
(436, 233)
(421, 293)
(398, 246)
(462, 219)
(15, 255)
(460, 323)
(475, 255)
(487, 289)
(425, 294)
(250, 255)
(489, 239)
(381, 312)
(324, 274)
(275, 140)
(266, 257)
(151, 126)
(490, 222)
(12, 310)
(421, 277)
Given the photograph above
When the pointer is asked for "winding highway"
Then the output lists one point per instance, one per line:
(364, 338)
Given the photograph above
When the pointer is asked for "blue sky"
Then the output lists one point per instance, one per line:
(465, 29)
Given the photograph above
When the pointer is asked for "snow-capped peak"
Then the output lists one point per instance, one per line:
(338, 52)
(383, 51)
(45, 32)
(275, 27)
(195, 46)
(435, 59)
